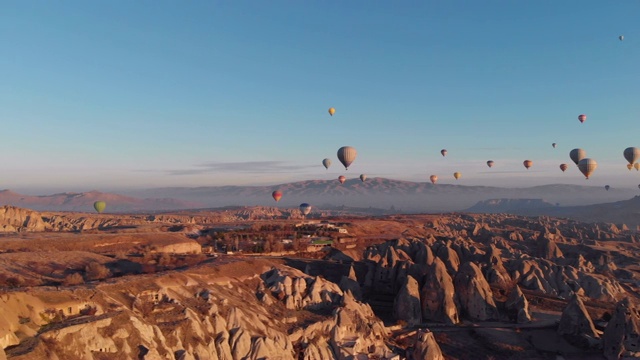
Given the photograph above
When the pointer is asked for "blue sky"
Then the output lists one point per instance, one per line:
(129, 94)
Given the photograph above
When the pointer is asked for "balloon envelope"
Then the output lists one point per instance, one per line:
(347, 155)
(99, 206)
(443, 152)
(527, 164)
(326, 163)
(363, 177)
(433, 178)
(582, 118)
(457, 175)
(621, 37)
(332, 111)
(490, 163)
(587, 166)
(554, 145)
(305, 208)
(577, 154)
(277, 195)
(631, 154)
(629, 166)
(607, 187)
(637, 166)
(342, 179)
(564, 167)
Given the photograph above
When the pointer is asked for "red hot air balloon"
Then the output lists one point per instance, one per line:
(342, 179)
(527, 164)
(582, 118)
(277, 195)
(564, 167)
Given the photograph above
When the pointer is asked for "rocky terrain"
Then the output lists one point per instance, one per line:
(428, 287)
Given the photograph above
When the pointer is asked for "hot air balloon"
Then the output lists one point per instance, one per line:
(305, 209)
(434, 179)
(621, 37)
(326, 163)
(631, 154)
(363, 177)
(554, 145)
(347, 155)
(564, 167)
(577, 154)
(457, 175)
(607, 187)
(443, 152)
(527, 164)
(629, 166)
(277, 195)
(637, 166)
(342, 179)
(587, 166)
(582, 118)
(332, 111)
(490, 163)
(99, 206)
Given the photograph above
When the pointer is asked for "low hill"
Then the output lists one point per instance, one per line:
(84, 202)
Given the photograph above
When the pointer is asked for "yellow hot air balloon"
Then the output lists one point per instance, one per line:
(457, 175)
(332, 111)
(433, 178)
(527, 164)
(587, 166)
(99, 206)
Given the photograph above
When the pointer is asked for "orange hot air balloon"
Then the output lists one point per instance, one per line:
(277, 195)
(637, 166)
(434, 179)
(587, 166)
(629, 166)
(564, 167)
(342, 179)
(332, 111)
(457, 175)
(527, 164)
(443, 152)
(490, 163)
(582, 118)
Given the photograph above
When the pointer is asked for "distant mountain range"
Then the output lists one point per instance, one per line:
(625, 211)
(381, 193)
(84, 202)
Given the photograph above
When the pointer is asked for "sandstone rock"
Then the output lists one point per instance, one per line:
(474, 294)
(406, 305)
(438, 295)
(622, 335)
(426, 347)
(517, 306)
(575, 320)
